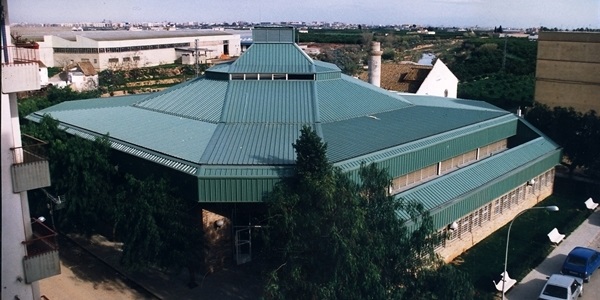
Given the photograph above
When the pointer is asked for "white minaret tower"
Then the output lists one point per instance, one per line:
(375, 64)
(17, 178)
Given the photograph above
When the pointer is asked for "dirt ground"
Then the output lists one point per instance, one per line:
(84, 277)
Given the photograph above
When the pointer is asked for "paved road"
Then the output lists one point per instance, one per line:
(587, 235)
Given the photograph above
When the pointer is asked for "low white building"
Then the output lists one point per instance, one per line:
(130, 49)
(439, 82)
(82, 77)
(420, 79)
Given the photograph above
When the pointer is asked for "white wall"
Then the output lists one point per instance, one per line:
(14, 210)
(46, 54)
(80, 82)
(43, 76)
(440, 82)
(15, 206)
(151, 57)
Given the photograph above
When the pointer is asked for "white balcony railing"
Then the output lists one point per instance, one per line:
(20, 69)
(30, 169)
(42, 260)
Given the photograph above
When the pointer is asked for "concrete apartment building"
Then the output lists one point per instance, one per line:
(29, 248)
(568, 70)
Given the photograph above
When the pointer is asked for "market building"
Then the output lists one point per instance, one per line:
(228, 137)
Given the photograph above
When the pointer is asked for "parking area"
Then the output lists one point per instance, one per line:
(586, 235)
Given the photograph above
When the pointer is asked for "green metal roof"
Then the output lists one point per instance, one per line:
(422, 152)
(198, 99)
(380, 131)
(273, 58)
(252, 144)
(269, 101)
(150, 131)
(347, 98)
(441, 192)
(120, 101)
(221, 128)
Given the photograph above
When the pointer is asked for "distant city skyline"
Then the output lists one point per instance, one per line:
(563, 14)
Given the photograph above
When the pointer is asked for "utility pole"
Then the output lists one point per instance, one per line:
(504, 55)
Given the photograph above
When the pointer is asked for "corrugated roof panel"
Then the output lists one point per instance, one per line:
(245, 171)
(177, 137)
(223, 67)
(273, 58)
(348, 98)
(200, 99)
(359, 136)
(424, 100)
(405, 158)
(183, 167)
(451, 186)
(96, 103)
(177, 165)
(269, 101)
(321, 66)
(234, 189)
(252, 144)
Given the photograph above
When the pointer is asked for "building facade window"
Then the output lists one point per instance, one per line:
(120, 49)
(476, 219)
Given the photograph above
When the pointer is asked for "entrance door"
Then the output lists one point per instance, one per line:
(243, 245)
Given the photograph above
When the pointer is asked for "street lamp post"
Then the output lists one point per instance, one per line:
(548, 208)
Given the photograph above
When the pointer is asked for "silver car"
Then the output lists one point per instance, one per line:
(562, 287)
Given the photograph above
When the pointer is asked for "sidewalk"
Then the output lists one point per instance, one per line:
(236, 282)
(587, 235)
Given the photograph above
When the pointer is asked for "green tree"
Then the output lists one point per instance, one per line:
(51, 96)
(331, 238)
(576, 132)
(388, 54)
(346, 58)
(157, 226)
(81, 170)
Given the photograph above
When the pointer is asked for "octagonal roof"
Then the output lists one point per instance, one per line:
(249, 112)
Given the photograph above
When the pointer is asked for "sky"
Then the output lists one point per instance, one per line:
(563, 14)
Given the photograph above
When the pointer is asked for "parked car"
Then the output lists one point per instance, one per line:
(563, 287)
(581, 262)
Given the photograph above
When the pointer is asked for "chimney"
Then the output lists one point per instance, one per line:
(375, 64)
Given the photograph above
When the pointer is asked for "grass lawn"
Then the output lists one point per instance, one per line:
(529, 244)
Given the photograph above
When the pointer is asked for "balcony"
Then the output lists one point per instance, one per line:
(42, 260)
(20, 69)
(30, 169)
